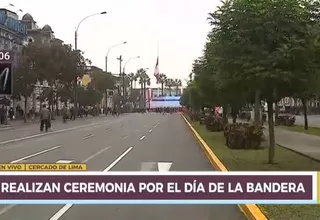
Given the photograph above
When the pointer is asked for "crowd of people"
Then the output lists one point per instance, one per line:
(46, 114)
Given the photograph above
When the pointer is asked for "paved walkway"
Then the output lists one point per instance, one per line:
(308, 145)
(305, 144)
(313, 120)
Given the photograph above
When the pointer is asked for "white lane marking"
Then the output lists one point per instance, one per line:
(164, 166)
(96, 154)
(143, 137)
(43, 134)
(88, 136)
(156, 125)
(64, 161)
(125, 137)
(7, 208)
(150, 130)
(65, 208)
(137, 130)
(118, 159)
(36, 154)
(61, 212)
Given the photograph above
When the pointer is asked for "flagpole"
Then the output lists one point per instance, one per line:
(158, 48)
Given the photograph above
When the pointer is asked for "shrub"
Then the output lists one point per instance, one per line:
(286, 119)
(213, 123)
(243, 136)
(202, 119)
(245, 115)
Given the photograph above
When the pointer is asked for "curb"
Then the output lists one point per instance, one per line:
(251, 211)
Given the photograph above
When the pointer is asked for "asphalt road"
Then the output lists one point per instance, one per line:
(141, 140)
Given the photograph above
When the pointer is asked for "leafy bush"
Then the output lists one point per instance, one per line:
(202, 119)
(243, 136)
(286, 119)
(245, 115)
(213, 123)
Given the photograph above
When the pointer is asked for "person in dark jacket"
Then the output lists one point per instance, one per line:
(44, 118)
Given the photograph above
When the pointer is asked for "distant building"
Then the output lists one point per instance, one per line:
(86, 79)
(36, 33)
(13, 33)
(44, 35)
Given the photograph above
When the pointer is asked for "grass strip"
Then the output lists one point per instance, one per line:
(256, 160)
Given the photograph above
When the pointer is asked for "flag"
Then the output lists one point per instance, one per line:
(156, 70)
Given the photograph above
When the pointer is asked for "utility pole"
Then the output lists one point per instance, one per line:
(121, 74)
(75, 101)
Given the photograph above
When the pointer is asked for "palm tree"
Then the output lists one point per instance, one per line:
(162, 81)
(141, 76)
(169, 84)
(131, 77)
(177, 84)
(135, 79)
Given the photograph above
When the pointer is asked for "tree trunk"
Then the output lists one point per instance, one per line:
(272, 144)
(144, 94)
(25, 109)
(57, 105)
(276, 113)
(234, 112)
(141, 96)
(224, 113)
(170, 91)
(304, 105)
(162, 88)
(257, 108)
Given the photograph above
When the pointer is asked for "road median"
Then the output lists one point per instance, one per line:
(224, 159)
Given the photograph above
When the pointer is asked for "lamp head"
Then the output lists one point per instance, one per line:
(103, 13)
(125, 42)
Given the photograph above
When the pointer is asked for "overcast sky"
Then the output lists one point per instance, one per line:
(179, 26)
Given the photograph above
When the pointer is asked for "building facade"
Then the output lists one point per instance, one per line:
(36, 34)
(13, 32)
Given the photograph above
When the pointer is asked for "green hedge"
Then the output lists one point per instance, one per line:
(243, 136)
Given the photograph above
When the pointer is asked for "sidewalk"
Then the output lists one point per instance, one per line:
(305, 144)
(20, 122)
(308, 145)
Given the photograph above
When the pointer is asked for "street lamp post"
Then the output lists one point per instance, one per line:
(77, 28)
(123, 74)
(76, 48)
(109, 51)
(107, 65)
(9, 5)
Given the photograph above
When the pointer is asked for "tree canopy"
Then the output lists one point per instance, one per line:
(257, 50)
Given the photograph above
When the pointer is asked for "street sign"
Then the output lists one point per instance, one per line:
(6, 60)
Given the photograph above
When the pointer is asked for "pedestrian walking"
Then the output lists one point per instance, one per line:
(2, 114)
(44, 118)
(64, 112)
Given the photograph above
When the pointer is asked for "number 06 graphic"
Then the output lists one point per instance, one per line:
(5, 56)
